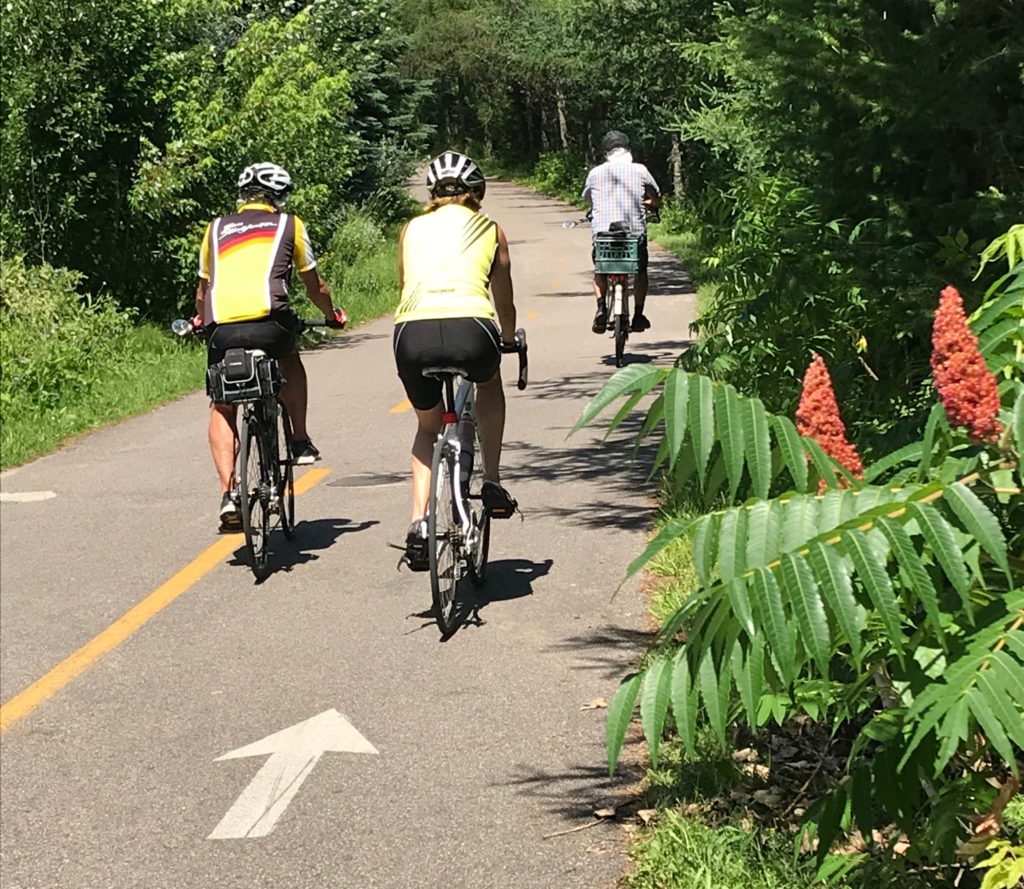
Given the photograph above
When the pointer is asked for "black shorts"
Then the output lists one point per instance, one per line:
(643, 255)
(470, 343)
(274, 334)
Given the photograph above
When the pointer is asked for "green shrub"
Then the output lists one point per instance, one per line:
(71, 363)
(54, 343)
(889, 608)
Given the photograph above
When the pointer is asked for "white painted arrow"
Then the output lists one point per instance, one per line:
(293, 752)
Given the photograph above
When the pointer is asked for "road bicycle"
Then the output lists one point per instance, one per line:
(265, 476)
(617, 255)
(458, 524)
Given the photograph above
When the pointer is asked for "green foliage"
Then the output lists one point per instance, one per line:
(124, 128)
(71, 364)
(1004, 867)
(892, 610)
(685, 853)
(53, 345)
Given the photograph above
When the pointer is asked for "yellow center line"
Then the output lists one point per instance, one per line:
(401, 407)
(22, 704)
(530, 316)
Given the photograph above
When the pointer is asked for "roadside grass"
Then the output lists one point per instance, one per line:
(684, 853)
(152, 369)
(100, 365)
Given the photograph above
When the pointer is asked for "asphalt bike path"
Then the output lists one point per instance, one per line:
(169, 723)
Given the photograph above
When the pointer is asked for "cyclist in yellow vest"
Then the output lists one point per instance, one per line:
(447, 259)
(245, 265)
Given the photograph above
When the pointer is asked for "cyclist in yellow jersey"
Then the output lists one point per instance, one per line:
(447, 259)
(245, 266)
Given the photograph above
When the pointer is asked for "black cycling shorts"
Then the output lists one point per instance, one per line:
(470, 343)
(274, 334)
(642, 255)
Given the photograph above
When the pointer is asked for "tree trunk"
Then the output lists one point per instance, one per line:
(545, 144)
(531, 141)
(675, 160)
(563, 125)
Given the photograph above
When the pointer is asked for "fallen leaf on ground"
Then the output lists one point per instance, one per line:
(767, 798)
(747, 754)
(604, 813)
(596, 704)
(754, 770)
(645, 815)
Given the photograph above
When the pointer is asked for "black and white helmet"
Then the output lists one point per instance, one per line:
(269, 179)
(452, 173)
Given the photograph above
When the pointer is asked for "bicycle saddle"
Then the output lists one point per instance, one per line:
(439, 373)
(620, 229)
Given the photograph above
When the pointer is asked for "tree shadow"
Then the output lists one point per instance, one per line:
(345, 341)
(609, 466)
(666, 277)
(608, 650)
(310, 537)
(578, 791)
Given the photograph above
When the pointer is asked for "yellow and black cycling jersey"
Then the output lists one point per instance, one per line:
(247, 257)
(447, 256)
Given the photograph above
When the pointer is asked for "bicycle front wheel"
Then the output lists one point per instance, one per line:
(444, 539)
(254, 477)
(286, 474)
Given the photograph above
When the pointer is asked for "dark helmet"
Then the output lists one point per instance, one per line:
(265, 179)
(452, 173)
(614, 139)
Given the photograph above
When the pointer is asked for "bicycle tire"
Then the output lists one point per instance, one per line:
(482, 519)
(621, 323)
(253, 491)
(286, 474)
(444, 534)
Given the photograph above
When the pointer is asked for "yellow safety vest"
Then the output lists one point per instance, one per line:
(446, 259)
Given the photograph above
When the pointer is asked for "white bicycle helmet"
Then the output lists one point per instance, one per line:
(452, 173)
(268, 179)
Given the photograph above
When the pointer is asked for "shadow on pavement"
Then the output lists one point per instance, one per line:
(608, 650)
(311, 536)
(344, 341)
(577, 792)
(507, 579)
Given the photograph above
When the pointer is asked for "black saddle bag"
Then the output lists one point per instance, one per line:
(242, 376)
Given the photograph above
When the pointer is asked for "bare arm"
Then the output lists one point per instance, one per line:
(201, 289)
(318, 291)
(501, 289)
(401, 261)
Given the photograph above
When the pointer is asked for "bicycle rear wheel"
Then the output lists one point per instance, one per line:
(481, 544)
(444, 539)
(254, 477)
(621, 323)
(286, 474)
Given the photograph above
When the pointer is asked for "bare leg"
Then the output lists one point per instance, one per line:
(223, 435)
(294, 393)
(490, 418)
(430, 423)
(600, 287)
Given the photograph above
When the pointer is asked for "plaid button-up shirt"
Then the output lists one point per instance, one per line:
(616, 190)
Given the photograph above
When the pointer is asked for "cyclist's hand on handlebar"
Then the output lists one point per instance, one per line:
(338, 320)
(196, 321)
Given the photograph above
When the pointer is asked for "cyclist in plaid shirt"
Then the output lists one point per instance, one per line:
(621, 191)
